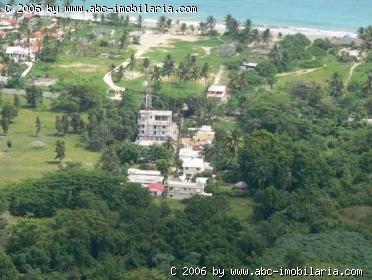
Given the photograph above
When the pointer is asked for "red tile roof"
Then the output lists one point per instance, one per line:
(156, 187)
(37, 34)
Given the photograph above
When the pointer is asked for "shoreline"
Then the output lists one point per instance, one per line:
(311, 33)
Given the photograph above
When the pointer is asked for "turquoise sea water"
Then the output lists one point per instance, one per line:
(320, 14)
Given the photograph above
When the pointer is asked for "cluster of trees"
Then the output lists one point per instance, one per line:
(77, 98)
(164, 24)
(115, 159)
(187, 70)
(245, 33)
(49, 52)
(98, 227)
(65, 123)
(365, 34)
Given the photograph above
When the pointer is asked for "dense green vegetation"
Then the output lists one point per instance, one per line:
(300, 142)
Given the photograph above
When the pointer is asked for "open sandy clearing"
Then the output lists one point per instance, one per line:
(82, 66)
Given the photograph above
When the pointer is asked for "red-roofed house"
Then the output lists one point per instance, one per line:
(37, 35)
(156, 189)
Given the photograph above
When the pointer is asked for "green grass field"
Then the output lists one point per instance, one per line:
(179, 50)
(72, 69)
(25, 160)
(331, 65)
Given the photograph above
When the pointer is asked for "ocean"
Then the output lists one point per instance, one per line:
(346, 15)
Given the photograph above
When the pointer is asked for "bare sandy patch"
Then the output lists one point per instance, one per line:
(84, 67)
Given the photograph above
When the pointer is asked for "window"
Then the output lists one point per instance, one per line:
(154, 132)
(198, 169)
(164, 126)
(154, 126)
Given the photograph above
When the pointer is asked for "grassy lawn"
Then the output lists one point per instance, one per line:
(361, 72)
(179, 50)
(320, 76)
(25, 160)
(72, 69)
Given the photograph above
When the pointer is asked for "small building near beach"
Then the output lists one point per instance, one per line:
(218, 92)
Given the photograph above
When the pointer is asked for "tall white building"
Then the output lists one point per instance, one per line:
(155, 126)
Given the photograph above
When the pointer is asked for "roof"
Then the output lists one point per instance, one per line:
(156, 112)
(249, 64)
(156, 187)
(188, 152)
(206, 128)
(17, 50)
(241, 185)
(37, 34)
(217, 88)
(134, 171)
(193, 162)
(10, 21)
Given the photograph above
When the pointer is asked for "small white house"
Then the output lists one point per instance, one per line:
(218, 92)
(192, 166)
(20, 54)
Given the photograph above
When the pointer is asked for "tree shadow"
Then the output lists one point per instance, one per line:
(52, 162)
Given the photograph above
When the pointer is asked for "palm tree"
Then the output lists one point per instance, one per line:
(156, 74)
(132, 63)
(336, 86)
(161, 25)
(168, 23)
(202, 27)
(169, 66)
(368, 85)
(234, 140)
(275, 54)
(112, 70)
(195, 73)
(120, 72)
(211, 23)
(245, 35)
(266, 36)
(122, 40)
(192, 28)
(145, 65)
(255, 36)
(183, 72)
(204, 72)
(139, 21)
(183, 28)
